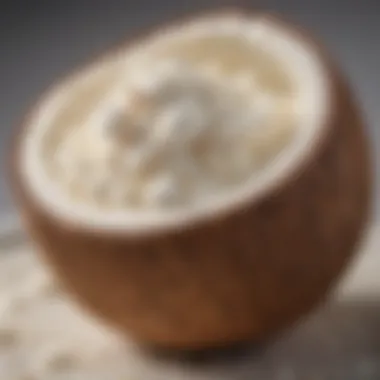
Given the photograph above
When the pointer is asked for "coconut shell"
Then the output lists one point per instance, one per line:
(240, 276)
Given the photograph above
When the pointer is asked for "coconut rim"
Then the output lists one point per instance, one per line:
(246, 196)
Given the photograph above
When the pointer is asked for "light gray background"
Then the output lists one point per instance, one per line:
(41, 40)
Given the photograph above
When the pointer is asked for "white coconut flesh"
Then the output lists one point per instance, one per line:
(192, 120)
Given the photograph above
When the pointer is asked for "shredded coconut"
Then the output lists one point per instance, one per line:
(172, 135)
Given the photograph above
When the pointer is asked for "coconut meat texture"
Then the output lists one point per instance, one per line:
(187, 121)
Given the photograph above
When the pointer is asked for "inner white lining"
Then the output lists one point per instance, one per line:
(292, 51)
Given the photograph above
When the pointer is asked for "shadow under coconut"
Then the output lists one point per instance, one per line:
(205, 356)
(341, 342)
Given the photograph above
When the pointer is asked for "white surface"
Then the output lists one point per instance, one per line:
(52, 339)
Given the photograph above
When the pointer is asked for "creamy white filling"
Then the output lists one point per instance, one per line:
(253, 109)
(172, 136)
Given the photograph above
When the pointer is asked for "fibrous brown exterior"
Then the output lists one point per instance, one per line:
(239, 277)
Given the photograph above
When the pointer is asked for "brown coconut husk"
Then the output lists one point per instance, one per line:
(240, 276)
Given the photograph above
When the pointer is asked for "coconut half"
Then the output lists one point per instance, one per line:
(245, 263)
